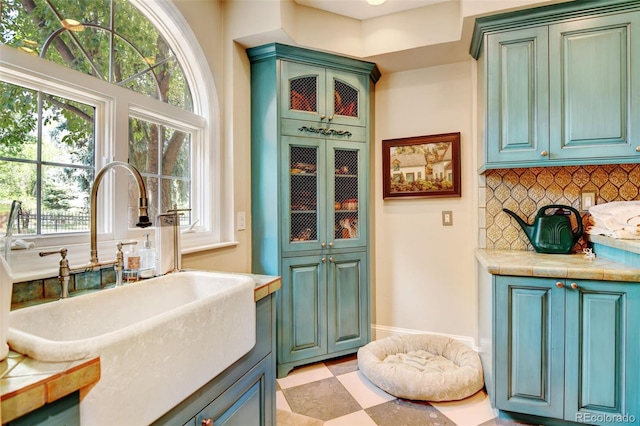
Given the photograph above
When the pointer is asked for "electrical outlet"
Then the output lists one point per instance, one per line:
(447, 218)
(587, 199)
(242, 225)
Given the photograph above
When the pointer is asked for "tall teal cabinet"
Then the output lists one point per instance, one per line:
(567, 349)
(311, 126)
(561, 84)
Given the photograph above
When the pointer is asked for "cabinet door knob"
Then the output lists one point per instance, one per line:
(322, 117)
(330, 117)
(574, 286)
(206, 422)
(330, 244)
(544, 153)
(559, 284)
(323, 245)
(331, 259)
(324, 260)
(637, 148)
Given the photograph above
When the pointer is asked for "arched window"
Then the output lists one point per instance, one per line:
(85, 83)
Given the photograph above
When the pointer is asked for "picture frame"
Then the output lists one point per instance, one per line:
(422, 166)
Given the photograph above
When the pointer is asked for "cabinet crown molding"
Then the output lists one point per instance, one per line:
(299, 54)
(544, 15)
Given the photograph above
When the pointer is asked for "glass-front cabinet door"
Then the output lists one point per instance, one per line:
(322, 95)
(303, 194)
(346, 190)
(323, 191)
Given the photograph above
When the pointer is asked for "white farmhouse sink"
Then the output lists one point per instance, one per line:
(158, 340)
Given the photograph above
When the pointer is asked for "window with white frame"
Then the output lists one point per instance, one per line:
(86, 83)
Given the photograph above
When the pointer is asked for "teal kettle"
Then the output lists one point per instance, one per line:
(552, 233)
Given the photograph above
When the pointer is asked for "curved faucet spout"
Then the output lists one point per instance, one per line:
(143, 220)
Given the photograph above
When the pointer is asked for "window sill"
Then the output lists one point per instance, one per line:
(27, 265)
(206, 247)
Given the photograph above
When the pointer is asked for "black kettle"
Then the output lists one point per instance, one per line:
(552, 233)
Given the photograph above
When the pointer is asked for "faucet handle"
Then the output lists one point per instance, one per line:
(62, 251)
(64, 272)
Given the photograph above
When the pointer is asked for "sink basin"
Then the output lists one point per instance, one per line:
(158, 340)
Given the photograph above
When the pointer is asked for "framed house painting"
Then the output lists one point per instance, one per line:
(421, 166)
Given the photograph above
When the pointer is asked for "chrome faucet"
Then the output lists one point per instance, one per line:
(143, 220)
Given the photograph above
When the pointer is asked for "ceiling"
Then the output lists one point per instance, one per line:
(360, 9)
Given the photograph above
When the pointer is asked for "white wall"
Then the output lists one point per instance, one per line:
(425, 278)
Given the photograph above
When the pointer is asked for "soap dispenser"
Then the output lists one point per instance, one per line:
(131, 264)
(147, 259)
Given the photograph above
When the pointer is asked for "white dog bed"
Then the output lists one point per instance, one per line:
(422, 367)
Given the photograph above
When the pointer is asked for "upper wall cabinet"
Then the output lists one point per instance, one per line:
(560, 84)
(323, 95)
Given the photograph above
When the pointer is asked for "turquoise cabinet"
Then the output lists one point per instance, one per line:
(567, 349)
(560, 84)
(244, 403)
(517, 96)
(323, 95)
(594, 102)
(63, 412)
(322, 302)
(310, 197)
(324, 182)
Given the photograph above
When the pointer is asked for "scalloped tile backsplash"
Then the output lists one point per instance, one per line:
(526, 190)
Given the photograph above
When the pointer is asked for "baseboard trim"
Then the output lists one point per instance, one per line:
(381, 331)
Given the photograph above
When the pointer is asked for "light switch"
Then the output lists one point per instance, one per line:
(242, 225)
(447, 218)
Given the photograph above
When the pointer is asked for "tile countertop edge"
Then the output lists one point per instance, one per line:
(265, 285)
(572, 266)
(42, 383)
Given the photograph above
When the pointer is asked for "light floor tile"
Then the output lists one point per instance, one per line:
(359, 418)
(304, 375)
(364, 392)
(281, 402)
(471, 411)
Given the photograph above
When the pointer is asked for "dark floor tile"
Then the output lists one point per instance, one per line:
(342, 365)
(323, 399)
(407, 413)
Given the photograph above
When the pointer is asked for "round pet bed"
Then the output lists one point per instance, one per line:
(423, 367)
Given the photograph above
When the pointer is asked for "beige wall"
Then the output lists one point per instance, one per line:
(423, 273)
(230, 70)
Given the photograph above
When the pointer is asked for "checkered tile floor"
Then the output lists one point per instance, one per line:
(335, 393)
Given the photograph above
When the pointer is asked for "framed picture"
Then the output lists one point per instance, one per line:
(421, 166)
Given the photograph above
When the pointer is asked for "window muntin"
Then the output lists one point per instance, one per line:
(47, 160)
(113, 107)
(162, 154)
(107, 39)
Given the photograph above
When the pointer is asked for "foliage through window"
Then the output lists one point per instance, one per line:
(51, 143)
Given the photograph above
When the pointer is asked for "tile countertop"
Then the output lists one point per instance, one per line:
(572, 266)
(27, 384)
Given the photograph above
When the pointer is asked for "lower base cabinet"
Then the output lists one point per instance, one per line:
(63, 412)
(323, 308)
(242, 395)
(567, 349)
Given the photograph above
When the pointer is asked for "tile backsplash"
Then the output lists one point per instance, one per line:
(27, 293)
(526, 190)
